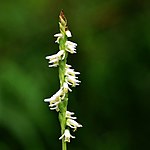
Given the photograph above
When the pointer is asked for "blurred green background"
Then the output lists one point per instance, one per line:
(113, 101)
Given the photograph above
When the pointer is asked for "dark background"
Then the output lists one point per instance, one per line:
(112, 102)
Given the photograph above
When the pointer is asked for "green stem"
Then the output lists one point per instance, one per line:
(62, 119)
(64, 145)
(63, 104)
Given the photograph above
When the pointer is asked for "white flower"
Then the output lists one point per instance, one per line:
(71, 80)
(58, 35)
(54, 59)
(68, 115)
(66, 87)
(55, 99)
(73, 124)
(71, 77)
(67, 136)
(71, 72)
(68, 33)
(71, 47)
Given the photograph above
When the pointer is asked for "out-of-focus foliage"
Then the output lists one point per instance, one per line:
(113, 101)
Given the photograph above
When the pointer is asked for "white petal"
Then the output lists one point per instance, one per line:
(61, 136)
(54, 65)
(58, 35)
(47, 100)
(73, 124)
(61, 52)
(71, 43)
(69, 113)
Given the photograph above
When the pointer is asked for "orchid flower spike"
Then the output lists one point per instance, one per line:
(68, 79)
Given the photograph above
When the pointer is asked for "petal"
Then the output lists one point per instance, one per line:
(58, 35)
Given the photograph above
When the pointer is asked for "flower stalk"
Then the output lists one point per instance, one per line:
(68, 78)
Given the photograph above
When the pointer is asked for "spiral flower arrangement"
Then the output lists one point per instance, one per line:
(68, 79)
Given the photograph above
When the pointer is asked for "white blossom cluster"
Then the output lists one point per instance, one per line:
(70, 80)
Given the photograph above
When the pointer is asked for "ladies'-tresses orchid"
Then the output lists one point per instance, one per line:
(58, 96)
(69, 71)
(73, 124)
(55, 99)
(71, 47)
(66, 87)
(60, 35)
(54, 59)
(69, 115)
(71, 77)
(67, 136)
(71, 80)
(67, 76)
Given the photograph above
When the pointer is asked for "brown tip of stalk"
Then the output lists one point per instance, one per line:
(62, 16)
(63, 20)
